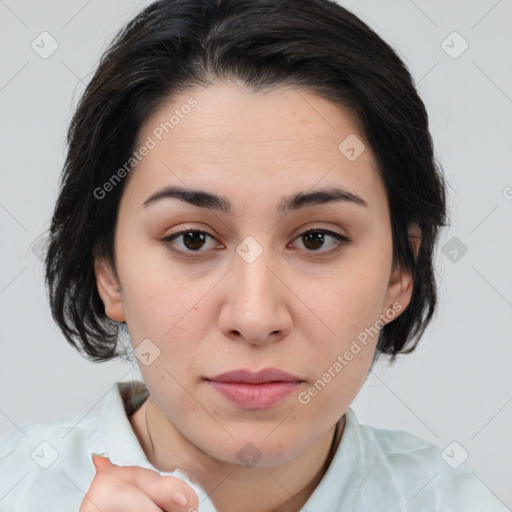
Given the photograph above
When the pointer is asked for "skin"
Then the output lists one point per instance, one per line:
(296, 307)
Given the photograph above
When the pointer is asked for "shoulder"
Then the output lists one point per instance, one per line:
(425, 475)
(49, 463)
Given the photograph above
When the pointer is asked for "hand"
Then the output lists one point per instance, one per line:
(135, 489)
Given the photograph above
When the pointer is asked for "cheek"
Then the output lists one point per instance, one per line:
(167, 326)
(348, 307)
(158, 296)
(350, 303)
(341, 352)
(335, 387)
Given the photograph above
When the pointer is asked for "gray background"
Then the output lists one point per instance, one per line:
(455, 387)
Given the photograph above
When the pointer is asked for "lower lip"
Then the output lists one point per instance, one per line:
(255, 396)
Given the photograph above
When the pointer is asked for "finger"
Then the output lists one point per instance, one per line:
(168, 492)
(118, 499)
(172, 493)
(130, 475)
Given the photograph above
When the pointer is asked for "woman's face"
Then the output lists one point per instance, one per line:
(260, 281)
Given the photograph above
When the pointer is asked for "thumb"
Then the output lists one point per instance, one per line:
(100, 462)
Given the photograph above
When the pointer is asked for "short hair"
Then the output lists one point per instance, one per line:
(174, 45)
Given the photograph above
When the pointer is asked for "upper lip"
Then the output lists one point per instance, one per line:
(265, 375)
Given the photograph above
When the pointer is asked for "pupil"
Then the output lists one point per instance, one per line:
(316, 238)
(193, 240)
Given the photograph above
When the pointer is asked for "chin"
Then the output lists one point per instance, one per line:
(257, 453)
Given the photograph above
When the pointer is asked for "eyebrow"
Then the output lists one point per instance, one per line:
(204, 199)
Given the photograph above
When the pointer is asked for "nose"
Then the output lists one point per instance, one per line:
(256, 309)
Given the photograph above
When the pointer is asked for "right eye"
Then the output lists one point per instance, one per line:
(192, 240)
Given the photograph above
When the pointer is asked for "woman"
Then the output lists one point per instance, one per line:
(250, 193)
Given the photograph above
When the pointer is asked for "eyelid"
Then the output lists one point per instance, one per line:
(323, 229)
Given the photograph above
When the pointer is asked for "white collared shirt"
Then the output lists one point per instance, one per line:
(48, 466)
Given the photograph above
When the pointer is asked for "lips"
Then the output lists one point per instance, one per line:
(259, 390)
(248, 377)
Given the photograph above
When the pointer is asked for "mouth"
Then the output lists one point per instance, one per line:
(260, 390)
(261, 377)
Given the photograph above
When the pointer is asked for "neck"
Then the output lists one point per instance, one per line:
(234, 487)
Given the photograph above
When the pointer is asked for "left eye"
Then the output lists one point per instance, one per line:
(194, 240)
(314, 239)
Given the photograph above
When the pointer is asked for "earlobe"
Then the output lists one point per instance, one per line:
(109, 290)
(399, 294)
(401, 284)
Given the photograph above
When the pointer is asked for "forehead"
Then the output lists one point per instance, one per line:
(230, 115)
(271, 143)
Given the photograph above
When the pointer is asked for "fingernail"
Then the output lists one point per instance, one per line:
(179, 498)
(98, 458)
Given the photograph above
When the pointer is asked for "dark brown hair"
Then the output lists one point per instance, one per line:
(173, 45)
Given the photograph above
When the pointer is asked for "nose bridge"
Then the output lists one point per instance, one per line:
(252, 274)
(256, 305)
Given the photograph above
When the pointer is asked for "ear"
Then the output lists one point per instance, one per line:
(109, 289)
(401, 283)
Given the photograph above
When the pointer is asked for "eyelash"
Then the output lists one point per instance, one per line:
(343, 241)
